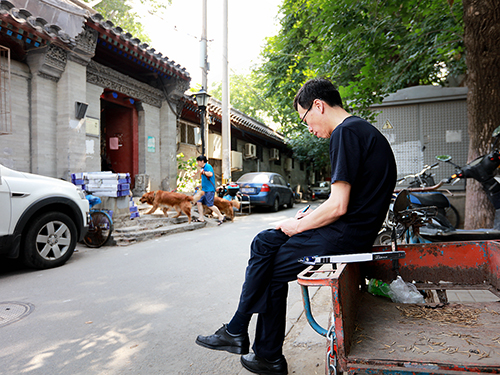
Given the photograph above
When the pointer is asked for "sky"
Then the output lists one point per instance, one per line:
(177, 33)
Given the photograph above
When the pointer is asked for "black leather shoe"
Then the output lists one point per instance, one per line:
(262, 366)
(222, 340)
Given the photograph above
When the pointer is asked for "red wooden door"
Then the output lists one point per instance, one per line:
(120, 125)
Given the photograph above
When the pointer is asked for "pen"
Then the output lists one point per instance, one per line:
(305, 209)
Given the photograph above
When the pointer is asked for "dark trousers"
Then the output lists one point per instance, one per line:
(273, 263)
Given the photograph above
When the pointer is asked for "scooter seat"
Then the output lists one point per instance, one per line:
(429, 199)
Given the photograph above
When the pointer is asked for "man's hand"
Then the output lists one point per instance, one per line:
(301, 213)
(289, 226)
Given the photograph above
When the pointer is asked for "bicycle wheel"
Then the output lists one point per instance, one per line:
(452, 215)
(100, 228)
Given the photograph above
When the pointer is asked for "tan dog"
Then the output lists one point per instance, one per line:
(225, 206)
(166, 199)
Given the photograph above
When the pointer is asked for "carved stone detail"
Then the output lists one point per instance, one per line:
(103, 76)
(176, 88)
(56, 58)
(48, 62)
(86, 43)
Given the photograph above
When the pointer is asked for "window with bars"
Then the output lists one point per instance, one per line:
(189, 134)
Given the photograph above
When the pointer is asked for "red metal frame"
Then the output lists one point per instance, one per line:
(461, 265)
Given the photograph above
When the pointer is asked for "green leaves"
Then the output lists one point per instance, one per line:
(186, 170)
(367, 48)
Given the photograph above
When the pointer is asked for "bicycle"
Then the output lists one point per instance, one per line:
(100, 225)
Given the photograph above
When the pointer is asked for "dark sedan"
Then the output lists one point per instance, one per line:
(266, 189)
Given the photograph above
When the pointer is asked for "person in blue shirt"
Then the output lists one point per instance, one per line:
(206, 172)
(363, 175)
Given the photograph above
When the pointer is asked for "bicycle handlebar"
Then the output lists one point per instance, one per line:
(424, 189)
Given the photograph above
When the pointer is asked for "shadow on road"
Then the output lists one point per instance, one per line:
(12, 266)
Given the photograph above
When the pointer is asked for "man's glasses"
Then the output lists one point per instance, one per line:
(303, 119)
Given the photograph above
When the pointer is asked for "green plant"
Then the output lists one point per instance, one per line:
(185, 172)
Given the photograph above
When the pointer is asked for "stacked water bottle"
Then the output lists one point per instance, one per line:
(103, 184)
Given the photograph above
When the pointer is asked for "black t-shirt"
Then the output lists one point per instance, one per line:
(361, 156)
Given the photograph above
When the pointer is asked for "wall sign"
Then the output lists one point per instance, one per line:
(453, 136)
(92, 126)
(151, 144)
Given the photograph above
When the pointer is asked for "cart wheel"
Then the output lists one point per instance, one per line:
(100, 228)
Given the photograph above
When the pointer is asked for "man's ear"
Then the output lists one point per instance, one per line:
(320, 104)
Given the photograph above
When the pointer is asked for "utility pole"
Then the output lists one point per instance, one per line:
(226, 122)
(204, 72)
(203, 47)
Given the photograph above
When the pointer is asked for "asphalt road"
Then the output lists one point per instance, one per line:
(135, 309)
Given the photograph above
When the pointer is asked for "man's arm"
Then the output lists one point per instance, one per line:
(197, 174)
(330, 211)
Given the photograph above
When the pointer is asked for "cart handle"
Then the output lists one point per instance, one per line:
(307, 308)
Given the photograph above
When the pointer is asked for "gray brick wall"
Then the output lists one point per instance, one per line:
(93, 143)
(70, 134)
(44, 119)
(15, 147)
(152, 160)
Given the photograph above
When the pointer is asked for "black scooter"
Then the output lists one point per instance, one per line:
(483, 170)
(422, 192)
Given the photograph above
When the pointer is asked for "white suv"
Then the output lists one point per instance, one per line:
(41, 218)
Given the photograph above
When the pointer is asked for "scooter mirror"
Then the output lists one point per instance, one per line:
(496, 132)
(443, 158)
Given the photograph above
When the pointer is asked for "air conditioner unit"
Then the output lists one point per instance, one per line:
(236, 161)
(288, 164)
(250, 151)
(274, 154)
(214, 146)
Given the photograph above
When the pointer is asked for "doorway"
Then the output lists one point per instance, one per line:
(119, 129)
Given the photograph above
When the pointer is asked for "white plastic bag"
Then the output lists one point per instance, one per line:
(402, 292)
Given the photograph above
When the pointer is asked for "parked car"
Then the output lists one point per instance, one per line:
(42, 218)
(321, 189)
(266, 189)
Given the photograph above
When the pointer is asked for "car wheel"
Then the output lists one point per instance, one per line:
(50, 241)
(290, 204)
(276, 205)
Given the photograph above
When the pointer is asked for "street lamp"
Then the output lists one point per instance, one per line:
(202, 98)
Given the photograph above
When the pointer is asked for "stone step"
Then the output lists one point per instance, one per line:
(129, 235)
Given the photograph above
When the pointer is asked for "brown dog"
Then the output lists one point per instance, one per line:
(224, 206)
(166, 199)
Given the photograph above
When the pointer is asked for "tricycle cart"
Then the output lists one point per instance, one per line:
(370, 334)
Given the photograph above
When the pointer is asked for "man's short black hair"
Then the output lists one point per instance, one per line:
(202, 158)
(317, 88)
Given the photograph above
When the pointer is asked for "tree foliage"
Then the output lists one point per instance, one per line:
(121, 13)
(246, 96)
(367, 48)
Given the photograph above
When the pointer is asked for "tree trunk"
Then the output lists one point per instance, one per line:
(482, 44)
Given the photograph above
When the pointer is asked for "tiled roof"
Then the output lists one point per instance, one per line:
(43, 32)
(241, 120)
(238, 119)
(127, 40)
